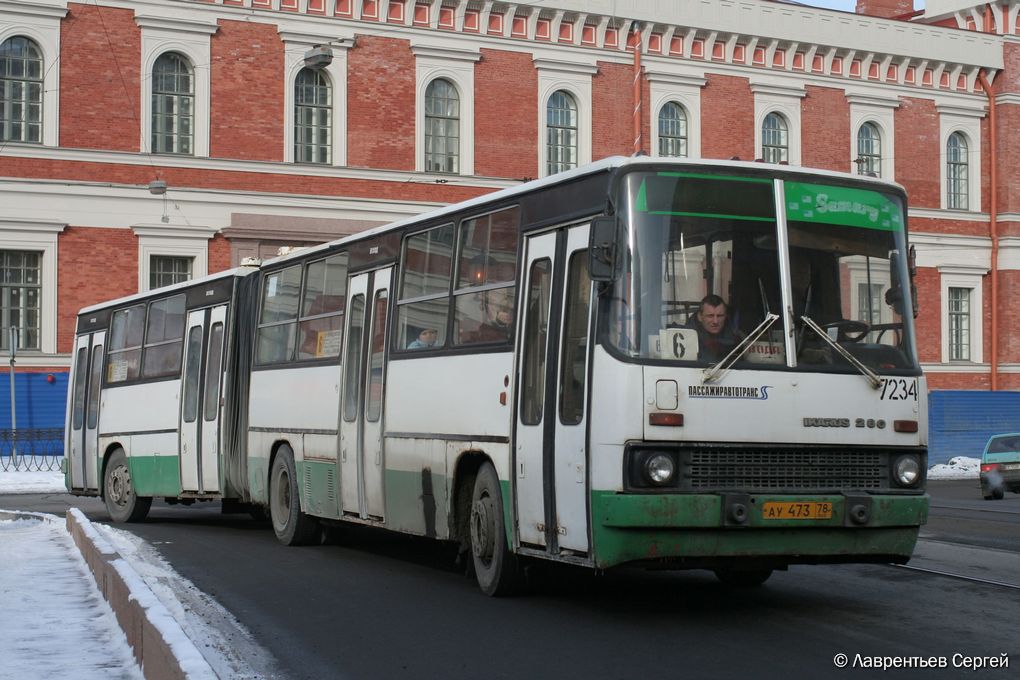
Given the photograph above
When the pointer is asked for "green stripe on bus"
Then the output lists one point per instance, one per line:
(632, 527)
(842, 206)
(156, 475)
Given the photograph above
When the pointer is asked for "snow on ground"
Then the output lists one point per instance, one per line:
(224, 642)
(226, 645)
(55, 622)
(20, 481)
(960, 467)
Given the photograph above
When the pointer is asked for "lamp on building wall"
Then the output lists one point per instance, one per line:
(319, 56)
(157, 187)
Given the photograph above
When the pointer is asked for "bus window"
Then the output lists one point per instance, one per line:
(164, 334)
(535, 330)
(352, 379)
(424, 299)
(278, 321)
(213, 362)
(375, 359)
(80, 368)
(192, 373)
(126, 332)
(486, 267)
(320, 330)
(95, 377)
(575, 340)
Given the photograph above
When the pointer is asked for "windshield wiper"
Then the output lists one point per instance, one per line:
(872, 377)
(716, 370)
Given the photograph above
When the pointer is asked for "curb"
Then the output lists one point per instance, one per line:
(161, 647)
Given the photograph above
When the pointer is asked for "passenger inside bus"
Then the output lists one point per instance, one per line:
(426, 338)
(497, 310)
(716, 336)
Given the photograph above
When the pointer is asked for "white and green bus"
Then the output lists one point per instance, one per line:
(643, 361)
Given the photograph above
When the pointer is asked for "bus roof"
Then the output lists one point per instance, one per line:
(237, 272)
(604, 165)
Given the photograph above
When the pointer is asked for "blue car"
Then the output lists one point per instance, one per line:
(1000, 466)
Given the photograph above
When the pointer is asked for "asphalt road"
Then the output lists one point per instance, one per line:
(387, 606)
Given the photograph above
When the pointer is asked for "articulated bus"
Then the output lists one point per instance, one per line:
(652, 362)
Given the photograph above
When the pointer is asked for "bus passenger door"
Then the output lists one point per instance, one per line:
(361, 426)
(86, 392)
(550, 452)
(212, 386)
(200, 400)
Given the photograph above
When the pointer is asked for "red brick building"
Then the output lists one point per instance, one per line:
(425, 102)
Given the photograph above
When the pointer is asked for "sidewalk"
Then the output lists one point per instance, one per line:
(55, 622)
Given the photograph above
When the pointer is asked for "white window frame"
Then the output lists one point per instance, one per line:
(174, 240)
(968, 123)
(41, 23)
(191, 38)
(295, 45)
(685, 91)
(575, 79)
(963, 277)
(458, 67)
(784, 100)
(41, 237)
(880, 112)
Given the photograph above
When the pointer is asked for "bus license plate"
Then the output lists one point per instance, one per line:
(810, 510)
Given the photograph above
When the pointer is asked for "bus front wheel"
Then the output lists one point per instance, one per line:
(291, 526)
(119, 493)
(496, 567)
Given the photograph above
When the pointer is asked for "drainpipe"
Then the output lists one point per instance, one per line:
(637, 88)
(993, 209)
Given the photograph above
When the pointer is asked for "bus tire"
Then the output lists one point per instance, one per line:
(496, 566)
(122, 503)
(750, 578)
(292, 527)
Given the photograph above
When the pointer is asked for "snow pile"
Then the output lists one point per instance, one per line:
(21, 481)
(960, 467)
(54, 617)
(224, 642)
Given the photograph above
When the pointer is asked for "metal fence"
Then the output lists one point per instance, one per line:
(31, 449)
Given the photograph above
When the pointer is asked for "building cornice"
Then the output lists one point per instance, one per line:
(39, 8)
(177, 25)
(31, 225)
(770, 36)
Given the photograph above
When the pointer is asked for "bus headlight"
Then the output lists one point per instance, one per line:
(659, 469)
(907, 470)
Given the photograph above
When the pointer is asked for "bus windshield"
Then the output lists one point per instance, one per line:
(703, 263)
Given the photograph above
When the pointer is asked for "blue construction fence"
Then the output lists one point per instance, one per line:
(961, 421)
(40, 400)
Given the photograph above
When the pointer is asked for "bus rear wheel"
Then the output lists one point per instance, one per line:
(496, 567)
(119, 493)
(292, 527)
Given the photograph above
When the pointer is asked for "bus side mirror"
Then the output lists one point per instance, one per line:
(604, 261)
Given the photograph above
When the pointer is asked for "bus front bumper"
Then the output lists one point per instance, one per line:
(711, 530)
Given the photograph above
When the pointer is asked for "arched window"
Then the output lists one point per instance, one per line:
(21, 90)
(869, 150)
(560, 132)
(775, 143)
(672, 130)
(173, 105)
(313, 117)
(442, 127)
(957, 172)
